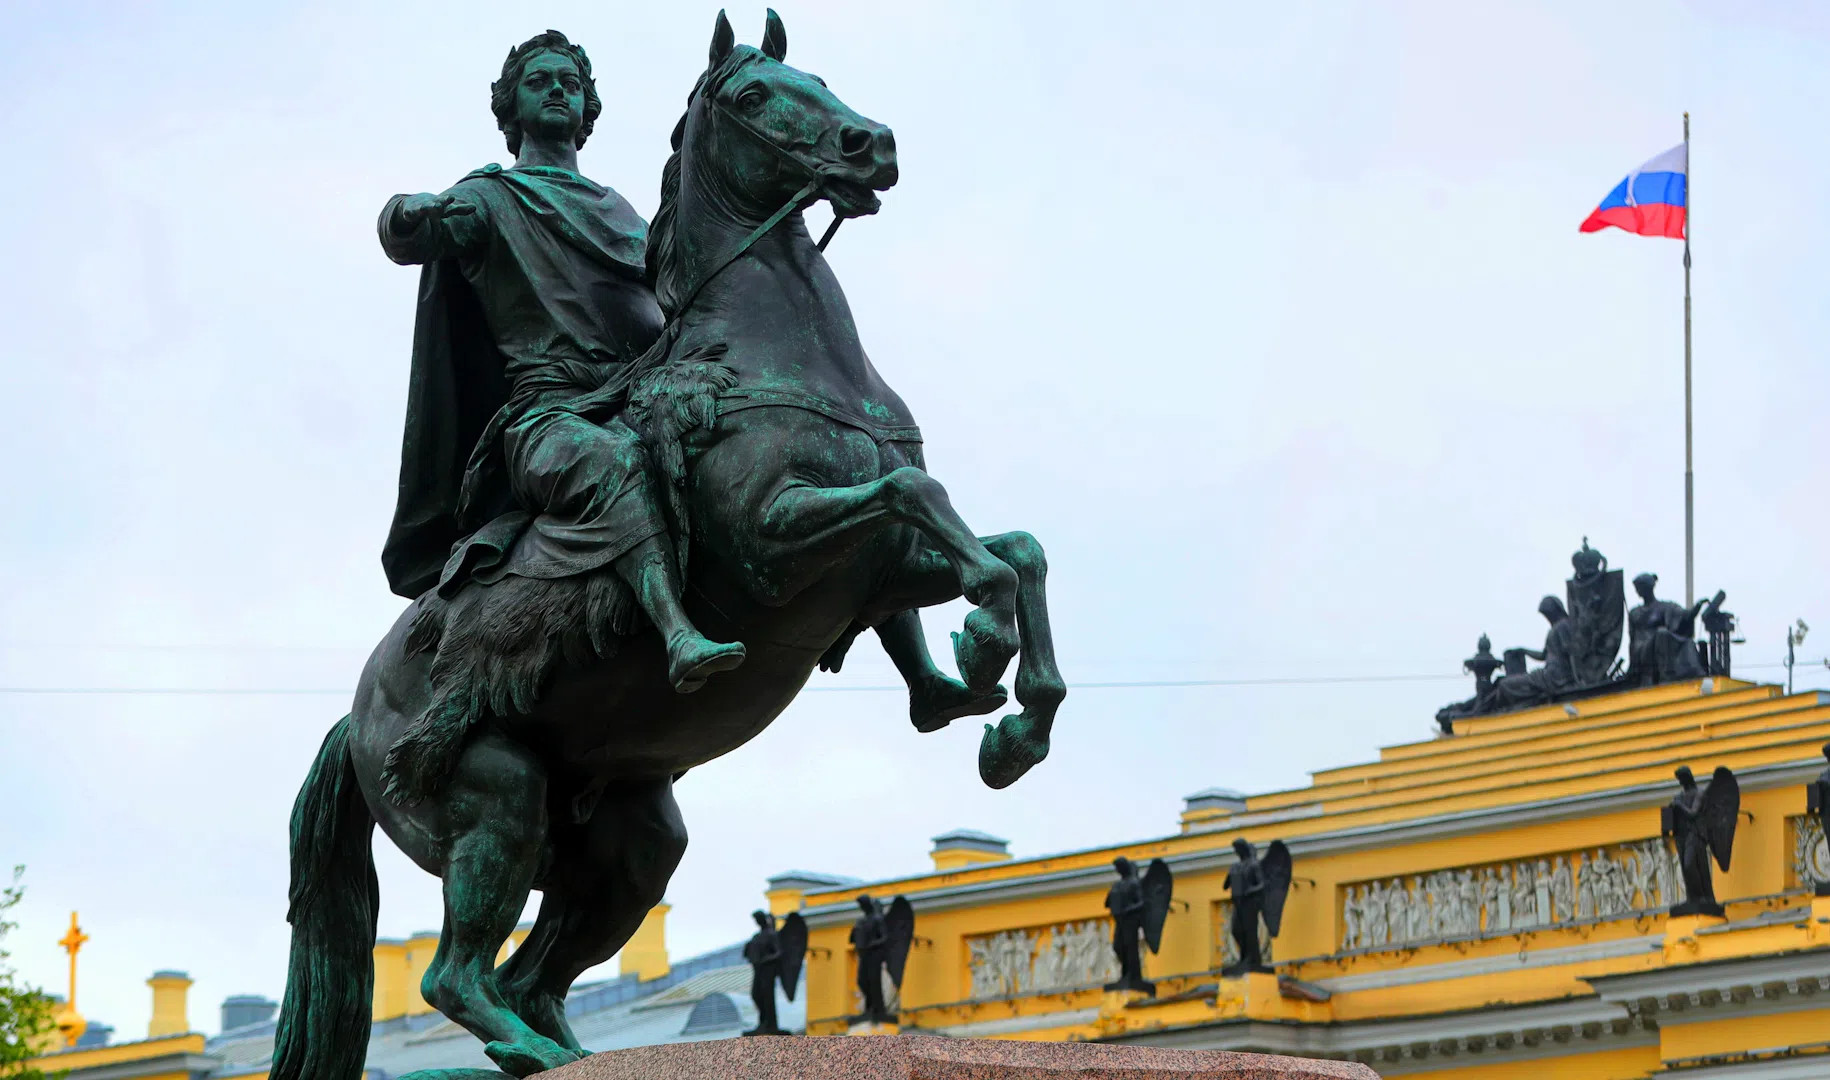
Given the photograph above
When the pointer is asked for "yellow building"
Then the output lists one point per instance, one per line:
(1490, 905)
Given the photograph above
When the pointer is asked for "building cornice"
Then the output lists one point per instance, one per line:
(1714, 989)
(1425, 1043)
(1358, 838)
(183, 1063)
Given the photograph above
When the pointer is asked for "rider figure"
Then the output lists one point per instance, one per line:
(555, 264)
(553, 296)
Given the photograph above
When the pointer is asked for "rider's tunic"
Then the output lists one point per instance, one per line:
(555, 263)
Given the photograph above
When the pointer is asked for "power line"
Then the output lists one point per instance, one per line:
(1128, 684)
(230, 691)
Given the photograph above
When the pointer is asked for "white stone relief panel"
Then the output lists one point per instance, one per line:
(1617, 881)
(1059, 957)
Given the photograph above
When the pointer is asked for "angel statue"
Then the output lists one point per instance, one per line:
(882, 942)
(1702, 819)
(775, 959)
(1259, 887)
(1139, 907)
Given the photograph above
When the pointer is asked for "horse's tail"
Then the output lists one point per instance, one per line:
(324, 1021)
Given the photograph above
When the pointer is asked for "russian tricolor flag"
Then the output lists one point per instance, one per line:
(1650, 201)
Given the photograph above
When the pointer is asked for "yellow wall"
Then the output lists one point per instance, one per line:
(1743, 1033)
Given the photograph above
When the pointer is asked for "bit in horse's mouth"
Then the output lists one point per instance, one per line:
(851, 199)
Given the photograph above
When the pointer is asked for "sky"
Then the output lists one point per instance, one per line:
(1272, 322)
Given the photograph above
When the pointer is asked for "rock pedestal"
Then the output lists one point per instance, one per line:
(918, 1057)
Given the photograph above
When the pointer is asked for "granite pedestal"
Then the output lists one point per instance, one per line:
(924, 1057)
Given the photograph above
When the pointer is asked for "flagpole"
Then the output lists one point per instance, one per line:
(1690, 543)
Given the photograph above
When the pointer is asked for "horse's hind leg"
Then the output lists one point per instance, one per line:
(607, 873)
(810, 524)
(495, 804)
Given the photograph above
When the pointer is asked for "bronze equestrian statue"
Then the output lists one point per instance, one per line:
(651, 481)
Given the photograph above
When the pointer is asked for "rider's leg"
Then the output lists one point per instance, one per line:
(691, 656)
(593, 489)
(935, 700)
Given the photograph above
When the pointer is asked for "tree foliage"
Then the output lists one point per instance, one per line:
(25, 1011)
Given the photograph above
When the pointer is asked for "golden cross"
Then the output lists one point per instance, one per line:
(71, 942)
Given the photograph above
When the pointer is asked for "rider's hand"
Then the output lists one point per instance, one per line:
(417, 208)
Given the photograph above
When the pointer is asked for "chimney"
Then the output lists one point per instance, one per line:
(787, 889)
(246, 1010)
(965, 847)
(1211, 804)
(645, 953)
(169, 1015)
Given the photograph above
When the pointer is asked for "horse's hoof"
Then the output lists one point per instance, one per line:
(1010, 750)
(983, 650)
(946, 700)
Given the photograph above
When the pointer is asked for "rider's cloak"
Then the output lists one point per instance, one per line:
(458, 397)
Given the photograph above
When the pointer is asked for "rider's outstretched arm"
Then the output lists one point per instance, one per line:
(425, 228)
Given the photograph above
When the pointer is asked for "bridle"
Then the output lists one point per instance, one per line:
(815, 182)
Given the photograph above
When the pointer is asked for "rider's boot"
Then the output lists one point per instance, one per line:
(691, 656)
(934, 699)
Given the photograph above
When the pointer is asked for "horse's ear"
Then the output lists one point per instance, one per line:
(723, 39)
(775, 38)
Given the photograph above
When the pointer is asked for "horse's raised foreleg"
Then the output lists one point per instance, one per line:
(1019, 741)
(495, 811)
(935, 699)
(812, 524)
(606, 875)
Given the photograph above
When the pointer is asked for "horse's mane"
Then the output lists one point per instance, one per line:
(663, 254)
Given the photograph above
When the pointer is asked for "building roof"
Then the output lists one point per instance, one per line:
(705, 997)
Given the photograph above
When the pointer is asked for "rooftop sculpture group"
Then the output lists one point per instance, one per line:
(639, 464)
(1582, 647)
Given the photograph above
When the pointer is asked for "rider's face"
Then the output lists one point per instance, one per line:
(550, 98)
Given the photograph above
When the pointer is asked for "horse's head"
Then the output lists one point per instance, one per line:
(759, 131)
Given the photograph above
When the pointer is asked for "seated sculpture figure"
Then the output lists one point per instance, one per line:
(1661, 645)
(1517, 689)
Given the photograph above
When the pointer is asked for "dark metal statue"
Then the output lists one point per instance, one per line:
(587, 392)
(1139, 907)
(1597, 610)
(1702, 822)
(1720, 626)
(1259, 888)
(1481, 665)
(775, 960)
(882, 942)
(1661, 638)
(1580, 654)
(1817, 801)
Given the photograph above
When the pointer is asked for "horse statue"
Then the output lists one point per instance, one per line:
(811, 518)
